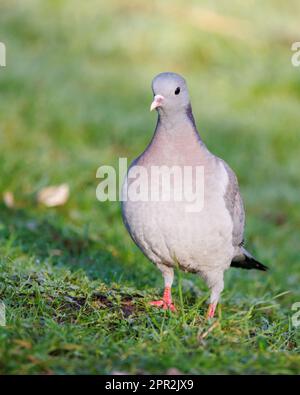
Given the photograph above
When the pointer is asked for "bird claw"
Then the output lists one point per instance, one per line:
(164, 305)
(211, 310)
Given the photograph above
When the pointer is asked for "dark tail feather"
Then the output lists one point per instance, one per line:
(248, 263)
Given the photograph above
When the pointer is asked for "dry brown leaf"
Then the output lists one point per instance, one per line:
(119, 373)
(202, 335)
(23, 343)
(71, 347)
(34, 360)
(9, 199)
(173, 372)
(56, 252)
(53, 196)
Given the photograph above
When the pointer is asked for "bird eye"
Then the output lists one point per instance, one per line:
(177, 91)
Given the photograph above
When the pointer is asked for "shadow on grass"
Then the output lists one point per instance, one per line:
(47, 238)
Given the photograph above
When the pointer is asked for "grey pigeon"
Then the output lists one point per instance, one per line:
(207, 241)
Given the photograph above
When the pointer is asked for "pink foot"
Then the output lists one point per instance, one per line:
(166, 302)
(163, 305)
(211, 310)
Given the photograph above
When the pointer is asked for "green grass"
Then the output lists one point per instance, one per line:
(75, 95)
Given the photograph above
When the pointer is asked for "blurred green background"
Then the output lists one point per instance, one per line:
(75, 95)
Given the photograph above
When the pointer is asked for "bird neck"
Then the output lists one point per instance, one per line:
(177, 124)
(175, 142)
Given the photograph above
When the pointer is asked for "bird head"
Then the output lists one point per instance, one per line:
(170, 94)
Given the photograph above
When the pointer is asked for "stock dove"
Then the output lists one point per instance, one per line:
(206, 239)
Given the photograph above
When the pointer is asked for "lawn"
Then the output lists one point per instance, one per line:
(75, 94)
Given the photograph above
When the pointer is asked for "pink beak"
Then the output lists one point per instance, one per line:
(157, 102)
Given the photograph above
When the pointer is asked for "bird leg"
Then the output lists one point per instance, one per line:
(166, 301)
(216, 284)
